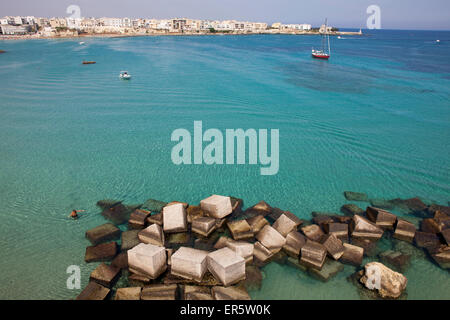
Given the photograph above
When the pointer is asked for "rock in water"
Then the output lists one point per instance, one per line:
(148, 260)
(103, 233)
(313, 255)
(154, 205)
(159, 292)
(312, 232)
(382, 218)
(101, 252)
(257, 223)
(217, 206)
(152, 234)
(129, 240)
(404, 230)
(105, 275)
(204, 226)
(355, 196)
(94, 291)
(240, 229)
(294, 243)
(388, 283)
(284, 225)
(131, 293)
(362, 228)
(271, 238)
(137, 219)
(189, 263)
(230, 293)
(174, 218)
(226, 266)
(351, 209)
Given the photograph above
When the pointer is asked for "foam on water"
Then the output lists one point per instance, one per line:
(368, 120)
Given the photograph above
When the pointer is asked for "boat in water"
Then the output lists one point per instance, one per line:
(81, 43)
(89, 62)
(324, 52)
(124, 75)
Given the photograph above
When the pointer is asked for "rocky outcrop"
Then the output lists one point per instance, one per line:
(388, 283)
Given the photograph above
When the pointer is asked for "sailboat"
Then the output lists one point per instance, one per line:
(324, 53)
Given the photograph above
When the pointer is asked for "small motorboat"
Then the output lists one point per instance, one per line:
(438, 41)
(82, 42)
(124, 75)
(89, 62)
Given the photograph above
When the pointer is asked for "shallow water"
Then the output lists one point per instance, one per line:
(374, 119)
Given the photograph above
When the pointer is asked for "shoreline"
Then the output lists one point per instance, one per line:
(120, 35)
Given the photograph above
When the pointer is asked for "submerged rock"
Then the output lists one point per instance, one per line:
(441, 255)
(105, 275)
(330, 269)
(154, 205)
(355, 196)
(118, 213)
(253, 278)
(404, 230)
(413, 205)
(103, 233)
(426, 240)
(120, 261)
(94, 291)
(129, 240)
(388, 283)
(396, 259)
(382, 204)
(108, 203)
(351, 209)
(101, 252)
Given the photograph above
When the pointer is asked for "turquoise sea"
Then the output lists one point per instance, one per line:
(374, 119)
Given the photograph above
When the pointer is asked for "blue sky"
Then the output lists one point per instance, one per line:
(395, 14)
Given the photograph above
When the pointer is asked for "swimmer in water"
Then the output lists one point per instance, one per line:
(74, 214)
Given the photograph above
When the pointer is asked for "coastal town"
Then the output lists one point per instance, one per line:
(12, 27)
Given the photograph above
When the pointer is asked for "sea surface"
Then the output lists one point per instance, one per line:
(375, 118)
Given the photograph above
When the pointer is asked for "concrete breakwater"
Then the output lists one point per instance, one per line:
(216, 250)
